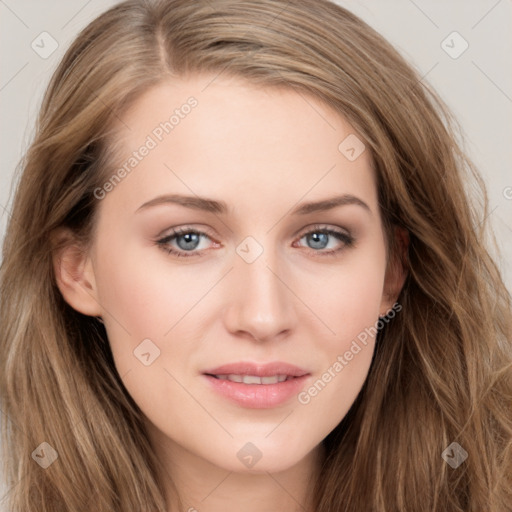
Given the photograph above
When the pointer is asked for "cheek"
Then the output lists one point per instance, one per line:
(350, 300)
(143, 299)
(146, 305)
(347, 355)
(350, 307)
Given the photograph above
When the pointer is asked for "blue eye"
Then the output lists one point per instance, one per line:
(187, 240)
(183, 242)
(319, 237)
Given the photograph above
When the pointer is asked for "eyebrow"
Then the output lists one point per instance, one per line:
(220, 207)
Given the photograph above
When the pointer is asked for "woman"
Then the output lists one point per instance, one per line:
(242, 271)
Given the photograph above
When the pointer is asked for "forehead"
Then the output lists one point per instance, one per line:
(221, 135)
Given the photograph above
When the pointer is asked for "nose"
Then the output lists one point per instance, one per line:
(261, 303)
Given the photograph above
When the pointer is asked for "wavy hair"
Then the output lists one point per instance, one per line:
(441, 371)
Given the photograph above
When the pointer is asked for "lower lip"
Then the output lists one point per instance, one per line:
(258, 396)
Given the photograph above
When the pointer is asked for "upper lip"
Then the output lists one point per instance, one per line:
(258, 369)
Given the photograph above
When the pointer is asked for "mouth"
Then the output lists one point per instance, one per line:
(253, 379)
(257, 386)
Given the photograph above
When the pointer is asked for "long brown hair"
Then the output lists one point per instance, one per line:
(441, 372)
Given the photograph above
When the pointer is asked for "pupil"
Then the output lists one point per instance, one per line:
(320, 239)
(191, 241)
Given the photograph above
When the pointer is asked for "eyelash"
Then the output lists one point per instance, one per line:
(347, 240)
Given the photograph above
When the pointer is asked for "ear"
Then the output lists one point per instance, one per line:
(74, 273)
(396, 271)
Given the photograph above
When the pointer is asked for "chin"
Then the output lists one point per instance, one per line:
(260, 456)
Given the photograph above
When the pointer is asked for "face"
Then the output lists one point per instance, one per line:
(217, 247)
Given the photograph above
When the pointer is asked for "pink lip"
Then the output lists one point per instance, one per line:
(258, 396)
(259, 370)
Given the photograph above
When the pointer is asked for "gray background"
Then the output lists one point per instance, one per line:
(477, 85)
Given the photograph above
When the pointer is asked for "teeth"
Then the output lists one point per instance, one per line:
(249, 379)
(254, 379)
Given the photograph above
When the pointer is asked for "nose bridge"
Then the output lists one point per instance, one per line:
(261, 304)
